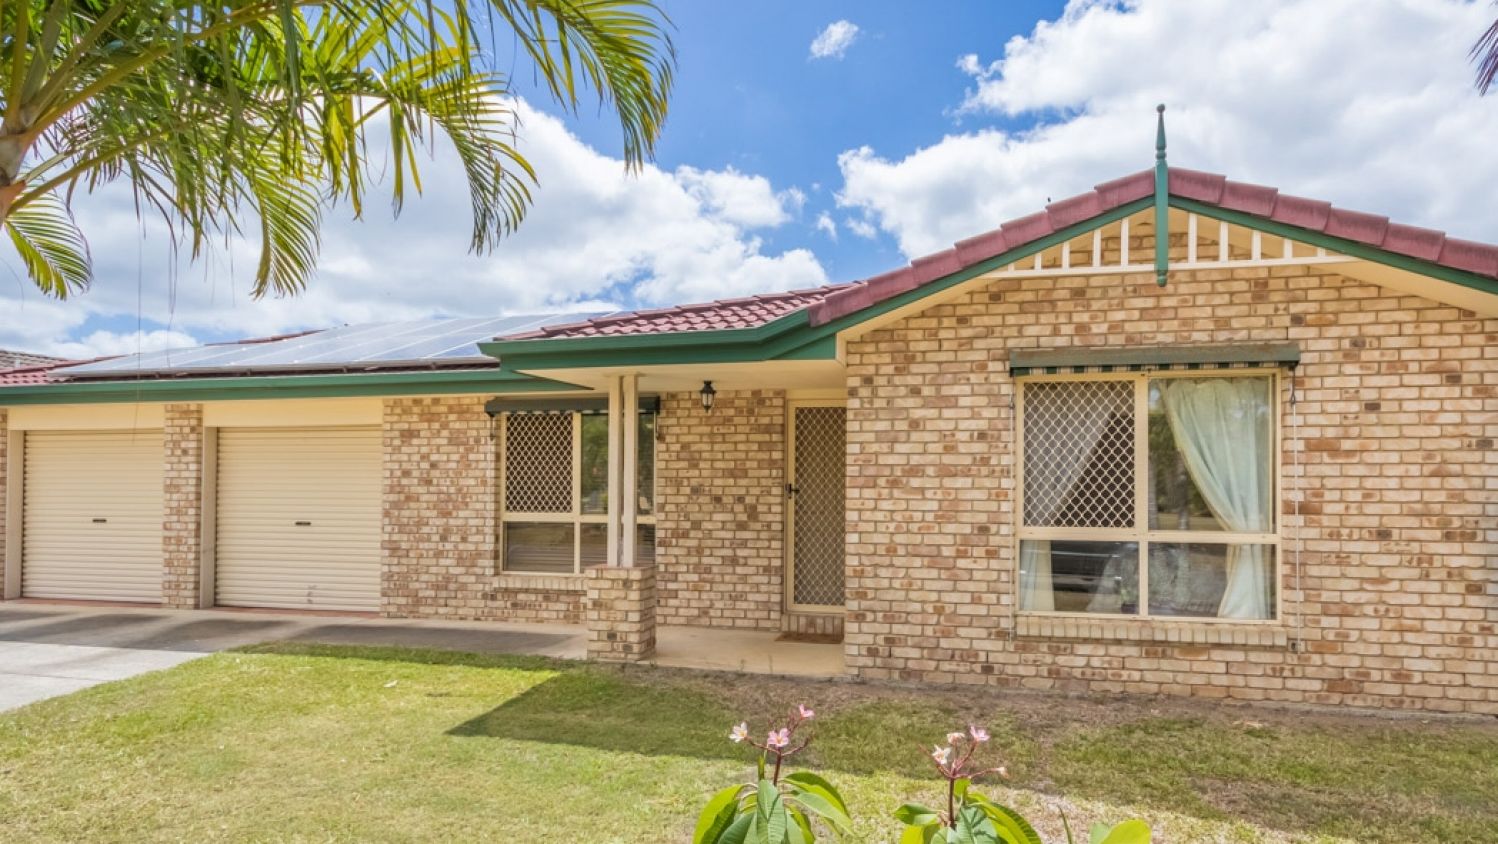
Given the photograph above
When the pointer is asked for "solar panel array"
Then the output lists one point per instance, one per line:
(441, 341)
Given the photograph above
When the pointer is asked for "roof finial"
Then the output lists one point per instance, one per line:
(1160, 132)
(1162, 201)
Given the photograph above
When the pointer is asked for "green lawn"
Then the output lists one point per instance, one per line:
(320, 743)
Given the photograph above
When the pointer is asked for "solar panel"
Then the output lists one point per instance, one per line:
(349, 346)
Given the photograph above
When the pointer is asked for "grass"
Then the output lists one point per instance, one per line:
(317, 743)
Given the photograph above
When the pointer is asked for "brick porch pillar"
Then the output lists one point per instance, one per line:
(182, 517)
(621, 613)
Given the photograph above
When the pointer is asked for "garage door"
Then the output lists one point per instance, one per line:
(91, 515)
(298, 518)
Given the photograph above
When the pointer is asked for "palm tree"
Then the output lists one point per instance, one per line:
(1485, 53)
(257, 116)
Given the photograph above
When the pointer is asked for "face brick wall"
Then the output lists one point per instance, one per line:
(1397, 605)
(440, 500)
(720, 499)
(182, 527)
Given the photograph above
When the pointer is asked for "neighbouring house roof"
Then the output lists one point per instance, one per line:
(29, 375)
(11, 359)
(745, 312)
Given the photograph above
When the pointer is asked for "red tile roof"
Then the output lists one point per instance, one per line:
(838, 300)
(747, 312)
(27, 375)
(10, 359)
(1208, 188)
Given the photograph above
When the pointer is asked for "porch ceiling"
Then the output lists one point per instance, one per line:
(688, 377)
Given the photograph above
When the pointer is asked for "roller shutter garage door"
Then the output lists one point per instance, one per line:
(298, 518)
(91, 514)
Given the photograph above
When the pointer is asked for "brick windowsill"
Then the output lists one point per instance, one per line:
(1140, 630)
(540, 582)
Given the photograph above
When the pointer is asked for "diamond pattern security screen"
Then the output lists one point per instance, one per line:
(819, 515)
(554, 517)
(1079, 454)
(538, 464)
(1150, 495)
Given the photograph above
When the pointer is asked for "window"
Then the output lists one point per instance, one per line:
(555, 497)
(1149, 495)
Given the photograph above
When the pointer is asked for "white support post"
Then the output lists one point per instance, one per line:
(1066, 255)
(616, 461)
(630, 500)
(1097, 247)
(1123, 243)
(1190, 238)
(1256, 247)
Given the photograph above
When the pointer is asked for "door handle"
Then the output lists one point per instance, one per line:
(304, 524)
(791, 490)
(100, 521)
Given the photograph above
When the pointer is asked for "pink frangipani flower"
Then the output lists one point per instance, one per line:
(740, 733)
(979, 734)
(954, 738)
(779, 739)
(942, 755)
(806, 714)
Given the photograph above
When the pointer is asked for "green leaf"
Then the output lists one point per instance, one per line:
(821, 806)
(1009, 823)
(738, 832)
(1128, 832)
(928, 834)
(716, 816)
(914, 814)
(959, 788)
(799, 832)
(770, 811)
(808, 781)
(972, 826)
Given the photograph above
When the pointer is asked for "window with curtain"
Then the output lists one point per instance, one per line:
(1149, 495)
(554, 501)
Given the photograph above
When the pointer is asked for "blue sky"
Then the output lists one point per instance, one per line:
(780, 169)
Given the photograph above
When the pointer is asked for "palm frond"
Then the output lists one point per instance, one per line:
(1485, 53)
(51, 246)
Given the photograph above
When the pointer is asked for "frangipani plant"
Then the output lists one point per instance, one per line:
(778, 807)
(971, 818)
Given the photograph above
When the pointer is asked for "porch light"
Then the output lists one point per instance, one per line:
(708, 394)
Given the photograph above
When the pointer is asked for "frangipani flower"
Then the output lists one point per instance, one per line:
(942, 755)
(739, 733)
(779, 738)
(979, 734)
(806, 714)
(953, 738)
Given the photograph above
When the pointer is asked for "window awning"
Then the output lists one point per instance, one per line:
(600, 405)
(1142, 358)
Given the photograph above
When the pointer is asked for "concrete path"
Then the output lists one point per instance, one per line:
(53, 649)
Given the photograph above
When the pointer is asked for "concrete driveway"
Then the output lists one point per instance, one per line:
(52, 649)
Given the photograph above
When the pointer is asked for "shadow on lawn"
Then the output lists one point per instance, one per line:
(1364, 780)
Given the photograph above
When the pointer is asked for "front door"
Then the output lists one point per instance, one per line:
(815, 489)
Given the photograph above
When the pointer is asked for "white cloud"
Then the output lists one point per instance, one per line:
(834, 41)
(1269, 92)
(826, 225)
(101, 343)
(595, 235)
(861, 227)
(743, 200)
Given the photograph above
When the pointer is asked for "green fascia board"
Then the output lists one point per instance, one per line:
(791, 337)
(1350, 248)
(279, 387)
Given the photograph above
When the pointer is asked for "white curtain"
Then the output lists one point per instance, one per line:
(1221, 428)
(1060, 435)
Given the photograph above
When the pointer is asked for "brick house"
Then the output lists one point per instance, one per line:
(1253, 459)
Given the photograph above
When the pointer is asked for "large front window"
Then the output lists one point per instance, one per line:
(555, 498)
(1149, 495)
